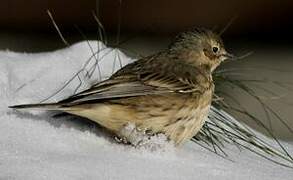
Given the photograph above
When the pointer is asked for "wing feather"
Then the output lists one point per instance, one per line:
(145, 77)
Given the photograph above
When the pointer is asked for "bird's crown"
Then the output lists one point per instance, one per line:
(200, 47)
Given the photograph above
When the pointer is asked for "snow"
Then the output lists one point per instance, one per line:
(36, 145)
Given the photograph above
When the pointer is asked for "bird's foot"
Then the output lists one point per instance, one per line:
(120, 139)
(132, 134)
(141, 138)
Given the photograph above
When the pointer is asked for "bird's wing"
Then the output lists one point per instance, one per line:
(114, 90)
(144, 78)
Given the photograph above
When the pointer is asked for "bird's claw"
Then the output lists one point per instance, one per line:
(120, 139)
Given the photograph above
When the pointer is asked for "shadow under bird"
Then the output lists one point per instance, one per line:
(169, 92)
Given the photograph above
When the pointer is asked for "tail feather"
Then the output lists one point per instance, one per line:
(46, 106)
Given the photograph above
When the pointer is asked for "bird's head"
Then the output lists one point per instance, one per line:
(201, 48)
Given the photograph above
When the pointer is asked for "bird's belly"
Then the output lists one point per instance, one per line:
(178, 117)
(187, 126)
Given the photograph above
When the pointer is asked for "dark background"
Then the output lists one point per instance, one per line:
(264, 20)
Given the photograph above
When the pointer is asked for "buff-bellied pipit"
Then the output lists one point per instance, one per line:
(169, 92)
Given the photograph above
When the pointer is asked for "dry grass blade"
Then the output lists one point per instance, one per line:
(229, 130)
(101, 30)
(57, 28)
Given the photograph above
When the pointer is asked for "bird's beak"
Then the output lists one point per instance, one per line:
(229, 56)
(232, 57)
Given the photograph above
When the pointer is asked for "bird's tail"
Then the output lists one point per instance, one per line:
(45, 106)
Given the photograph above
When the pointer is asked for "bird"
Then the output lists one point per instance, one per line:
(169, 92)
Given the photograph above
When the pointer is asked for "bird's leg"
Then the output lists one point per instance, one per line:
(135, 135)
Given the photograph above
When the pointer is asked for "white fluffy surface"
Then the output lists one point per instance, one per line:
(34, 145)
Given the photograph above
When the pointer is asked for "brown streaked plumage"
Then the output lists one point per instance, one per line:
(169, 92)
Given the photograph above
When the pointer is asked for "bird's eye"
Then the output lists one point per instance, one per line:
(215, 49)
